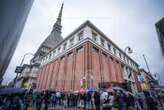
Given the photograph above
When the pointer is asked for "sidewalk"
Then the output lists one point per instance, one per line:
(57, 108)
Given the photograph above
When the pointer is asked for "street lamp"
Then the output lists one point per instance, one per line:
(157, 78)
(146, 64)
(20, 66)
(130, 51)
(25, 56)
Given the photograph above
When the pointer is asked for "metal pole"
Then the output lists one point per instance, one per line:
(146, 63)
(129, 51)
(21, 65)
(24, 57)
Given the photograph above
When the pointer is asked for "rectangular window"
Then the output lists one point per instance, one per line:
(114, 50)
(80, 35)
(102, 42)
(71, 41)
(50, 55)
(64, 46)
(59, 49)
(128, 61)
(120, 55)
(94, 36)
(109, 47)
(54, 51)
(124, 57)
(127, 70)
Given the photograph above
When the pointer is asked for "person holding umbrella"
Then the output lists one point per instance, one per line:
(82, 97)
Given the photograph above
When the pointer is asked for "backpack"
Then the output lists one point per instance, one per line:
(116, 102)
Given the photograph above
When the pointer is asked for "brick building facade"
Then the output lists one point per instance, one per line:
(88, 56)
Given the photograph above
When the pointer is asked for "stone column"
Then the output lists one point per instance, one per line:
(121, 73)
(65, 71)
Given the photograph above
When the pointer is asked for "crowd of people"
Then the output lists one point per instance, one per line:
(84, 99)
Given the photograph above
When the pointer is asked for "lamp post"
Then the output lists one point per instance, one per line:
(25, 56)
(156, 75)
(130, 51)
(146, 63)
(20, 66)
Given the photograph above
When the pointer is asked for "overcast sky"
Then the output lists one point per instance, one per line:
(125, 22)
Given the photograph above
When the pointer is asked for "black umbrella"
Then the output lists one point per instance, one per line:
(7, 91)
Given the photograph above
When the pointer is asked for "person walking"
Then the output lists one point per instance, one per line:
(6, 103)
(33, 99)
(107, 105)
(85, 100)
(130, 101)
(140, 102)
(58, 97)
(97, 100)
(115, 101)
(76, 99)
(151, 104)
(46, 100)
(1, 101)
(38, 102)
(16, 104)
(88, 100)
(111, 100)
(68, 99)
(27, 100)
(92, 101)
(53, 99)
(122, 101)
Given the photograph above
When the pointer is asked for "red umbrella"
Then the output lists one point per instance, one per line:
(82, 91)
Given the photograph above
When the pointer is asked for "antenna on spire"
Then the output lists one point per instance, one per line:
(60, 15)
(57, 26)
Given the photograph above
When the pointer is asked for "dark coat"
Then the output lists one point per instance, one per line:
(151, 104)
(97, 99)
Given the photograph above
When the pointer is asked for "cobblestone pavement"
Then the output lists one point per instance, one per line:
(71, 108)
(58, 108)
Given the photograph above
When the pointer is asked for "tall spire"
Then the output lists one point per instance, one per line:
(57, 26)
(60, 15)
